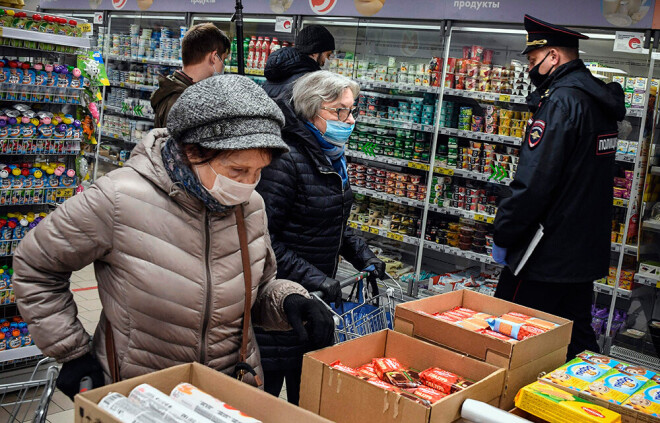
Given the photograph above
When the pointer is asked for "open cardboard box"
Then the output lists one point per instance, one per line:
(344, 398)
(246, 398)
(524, 360)
(628, 415)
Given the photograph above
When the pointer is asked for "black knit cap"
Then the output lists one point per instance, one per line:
(314, 39)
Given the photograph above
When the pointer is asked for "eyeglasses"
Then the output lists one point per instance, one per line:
(344, 112)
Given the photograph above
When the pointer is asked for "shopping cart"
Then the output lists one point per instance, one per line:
(17, 398)
(365, 312)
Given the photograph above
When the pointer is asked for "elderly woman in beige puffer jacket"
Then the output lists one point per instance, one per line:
(163, 234)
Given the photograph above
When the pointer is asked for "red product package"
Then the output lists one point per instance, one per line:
(515, 317)
(385, 364)
(464, 312)
(443, 381)
(528, 330)
(367, 370)
(497, 335)
(429, 394)
(382, 384)
(343, 368)
(446, 318)
(459, 316)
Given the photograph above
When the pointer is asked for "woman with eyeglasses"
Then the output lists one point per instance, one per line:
(308, 201)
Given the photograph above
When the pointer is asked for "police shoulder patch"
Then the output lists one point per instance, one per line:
(536, 133)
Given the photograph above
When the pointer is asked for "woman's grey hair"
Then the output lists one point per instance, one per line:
(315, 88)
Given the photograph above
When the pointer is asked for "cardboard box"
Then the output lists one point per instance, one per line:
(628, 415)
(523, 360)
(242, 396)
(343, 398)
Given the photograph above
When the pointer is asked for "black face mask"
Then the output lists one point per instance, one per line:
(537, 77)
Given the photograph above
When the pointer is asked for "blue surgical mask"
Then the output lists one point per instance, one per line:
(336, 132)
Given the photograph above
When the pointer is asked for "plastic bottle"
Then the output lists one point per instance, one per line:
(246, 49)
(251, 50)
(233, 52)
(15, 340)
(257, 55)
(265, 52)
(274, 45)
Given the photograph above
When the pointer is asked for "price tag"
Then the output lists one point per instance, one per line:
(505, 97)
(618, 202)
(490, 219)
(444, 171)
(353, 225)
(396, 237)
(479, 217)
(374, 231)
(365, 228)
(85, 27)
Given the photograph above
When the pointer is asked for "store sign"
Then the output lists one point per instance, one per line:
(630, 42)
(98, 18)
(283, 23)
(322, 7)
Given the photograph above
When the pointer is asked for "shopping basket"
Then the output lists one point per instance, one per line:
(364, 312)
(17, 398)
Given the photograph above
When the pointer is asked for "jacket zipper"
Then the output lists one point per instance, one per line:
(341, 234)
(209, 297)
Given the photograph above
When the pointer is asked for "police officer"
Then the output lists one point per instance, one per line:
(564, 184)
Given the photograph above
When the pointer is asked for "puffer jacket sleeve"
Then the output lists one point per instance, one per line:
(76, 234)
(278, 189)
(268, 310)
(355, 250)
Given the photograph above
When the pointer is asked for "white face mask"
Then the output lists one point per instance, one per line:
(222, 70)
(227, 191)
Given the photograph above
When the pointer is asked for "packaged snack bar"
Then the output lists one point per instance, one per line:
(207, 406)
(592, 357)
(443, 381)
(497, 335)
(400, 379)
(126, 411)
(384, 365)
(615, 386)
(446, 318)
(528, 330)
(429, 394)
(415, 398)
(414, 376)
(383, 385)
(152, 399)
(515, 317)
(473, 324)
(553, 404)
(367, 370)
(465, 312)
(577, 374)
(483, 316)
(634, 370)
(515, 330)
(343, 368)
(646, 400)
(540, 323)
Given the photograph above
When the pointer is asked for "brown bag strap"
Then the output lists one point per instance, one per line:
(113, 365)
(247, 277)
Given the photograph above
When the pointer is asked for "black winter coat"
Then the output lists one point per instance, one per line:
(308, 208)
(283, 67)
(564, 179)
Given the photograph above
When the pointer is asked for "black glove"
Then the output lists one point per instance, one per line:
(379, 266)
(331, 291)
(320, 328)
(73, 371)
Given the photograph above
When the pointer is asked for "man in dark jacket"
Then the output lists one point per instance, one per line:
(314, 44)
(203, 50)
(308, 201)
(563, 184)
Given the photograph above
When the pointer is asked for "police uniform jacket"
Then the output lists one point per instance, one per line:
(564, 179)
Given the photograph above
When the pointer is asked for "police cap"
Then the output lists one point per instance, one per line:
(544, 34)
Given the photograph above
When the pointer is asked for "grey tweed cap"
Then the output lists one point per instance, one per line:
(227, 112)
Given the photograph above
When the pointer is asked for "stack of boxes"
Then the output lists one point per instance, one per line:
(623, 186)
(635, 89)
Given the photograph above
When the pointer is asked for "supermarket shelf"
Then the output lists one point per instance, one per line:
(144, 60)
(629, 355)
(630, 249)
(120, 137)
(366, 84)
(626, 158)
(423, 166)
(395, 123)
(479, 95)
(481, 136)
(138, 87)
(606, 289)
(470, 255)
(655, 170)
(483, 258)
(647, 280)
(652, 225)
(371, 93)
(105, 159)
(620, 202)
(635, 112)
(42, 37)
(479, 217)
(19, 353)
(115, 109)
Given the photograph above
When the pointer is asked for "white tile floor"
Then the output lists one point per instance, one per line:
(85, 293)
